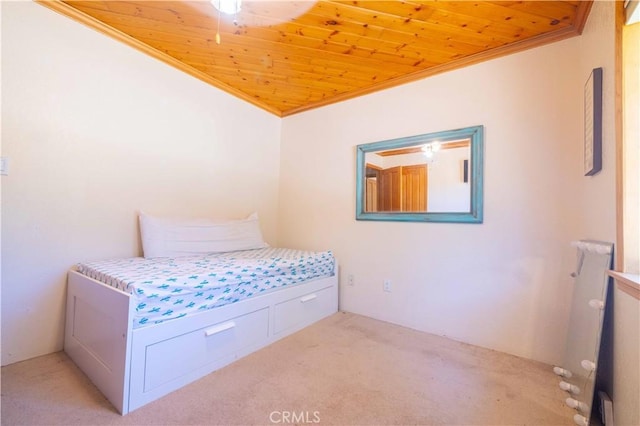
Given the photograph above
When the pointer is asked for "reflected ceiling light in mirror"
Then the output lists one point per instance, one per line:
(431, 148)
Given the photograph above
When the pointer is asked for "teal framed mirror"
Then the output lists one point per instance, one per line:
(434, 177)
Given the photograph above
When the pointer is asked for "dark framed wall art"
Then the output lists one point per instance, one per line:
(593, 123)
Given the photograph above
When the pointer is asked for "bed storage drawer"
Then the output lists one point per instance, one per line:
(303, 310)
(172, 358)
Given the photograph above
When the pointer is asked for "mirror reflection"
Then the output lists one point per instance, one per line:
(432, 177)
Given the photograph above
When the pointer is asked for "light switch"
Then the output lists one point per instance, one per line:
(4, 166)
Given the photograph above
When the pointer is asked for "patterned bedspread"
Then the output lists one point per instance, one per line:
(169, 288)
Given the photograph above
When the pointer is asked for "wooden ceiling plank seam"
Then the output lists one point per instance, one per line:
(529, 22)
(290, 59)
(496, 29)
(284, 96)
(310, 83)
(519, 10)
(373, 65)
(342, 38)
(286, 92)
(437, 35)
(336, 75)
(360, 73)
(258, 45)
(575, 11)
(351, 73)
(551, 10)
(362, 29)
(257, 67)
(168, 35)
(415, 53)
(327, 84)
(279, 92)
(399, 40)
(499, 31)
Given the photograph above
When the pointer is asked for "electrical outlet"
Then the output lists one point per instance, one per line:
(350, 280)
(386, 286)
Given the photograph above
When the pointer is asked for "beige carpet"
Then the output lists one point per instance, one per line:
(344, 370)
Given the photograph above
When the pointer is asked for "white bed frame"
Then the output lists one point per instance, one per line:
(133, 367)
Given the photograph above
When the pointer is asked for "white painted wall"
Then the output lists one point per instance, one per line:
(96, 131)
(503, 284)
(447, 190)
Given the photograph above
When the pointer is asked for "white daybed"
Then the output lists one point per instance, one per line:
(133, 366)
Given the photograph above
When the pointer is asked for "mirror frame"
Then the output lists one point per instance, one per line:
(476, 136)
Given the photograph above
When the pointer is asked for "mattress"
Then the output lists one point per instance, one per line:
(170, 288)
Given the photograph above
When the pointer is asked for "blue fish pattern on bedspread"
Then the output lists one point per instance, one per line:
(170, 288)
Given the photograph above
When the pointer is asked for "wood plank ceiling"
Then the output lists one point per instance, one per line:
(287, 57)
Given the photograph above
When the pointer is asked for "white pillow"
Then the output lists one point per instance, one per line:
(184, 237)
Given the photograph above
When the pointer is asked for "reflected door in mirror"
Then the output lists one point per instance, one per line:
(372, 194)
(389, 190)
(397, 189)
(414, 188)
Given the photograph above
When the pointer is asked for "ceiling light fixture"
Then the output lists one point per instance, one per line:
(230, 7)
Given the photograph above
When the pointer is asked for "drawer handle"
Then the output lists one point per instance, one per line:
(308, 298)
(219, 328)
